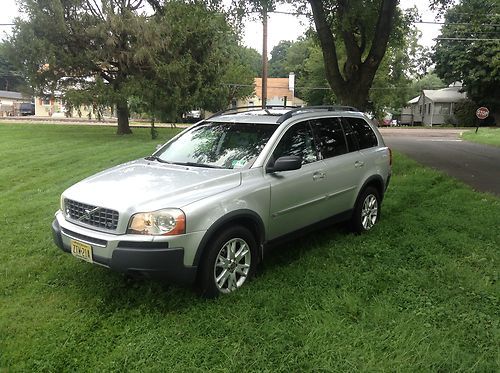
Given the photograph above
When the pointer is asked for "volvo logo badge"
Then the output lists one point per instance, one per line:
(88, 214)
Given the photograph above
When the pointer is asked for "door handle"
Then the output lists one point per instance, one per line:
(359, 164)
(319, 175)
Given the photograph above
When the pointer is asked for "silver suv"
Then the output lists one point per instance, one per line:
(204, 206)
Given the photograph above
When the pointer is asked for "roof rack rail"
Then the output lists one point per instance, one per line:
(234, 110)
(304, 109)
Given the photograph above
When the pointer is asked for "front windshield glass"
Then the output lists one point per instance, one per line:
(219, 145)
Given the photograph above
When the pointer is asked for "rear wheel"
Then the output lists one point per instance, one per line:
(367, 210)
(229, 262)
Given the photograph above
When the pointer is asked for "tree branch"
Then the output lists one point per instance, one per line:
(353, 51)
(95, 9)
(385, 23)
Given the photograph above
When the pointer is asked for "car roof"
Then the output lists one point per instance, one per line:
(273, 115)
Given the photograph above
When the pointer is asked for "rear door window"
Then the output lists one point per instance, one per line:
(364, 134)
(330, 136)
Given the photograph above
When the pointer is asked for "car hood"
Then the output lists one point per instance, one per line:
(143, 185)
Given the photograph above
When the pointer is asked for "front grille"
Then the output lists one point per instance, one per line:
(91, 215)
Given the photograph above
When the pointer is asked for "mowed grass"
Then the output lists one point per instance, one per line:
(418, 293)
(489, 136)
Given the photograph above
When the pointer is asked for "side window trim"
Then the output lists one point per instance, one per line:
(316, 142)
(345, 126)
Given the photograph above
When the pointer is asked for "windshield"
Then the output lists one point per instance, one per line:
(219, 145)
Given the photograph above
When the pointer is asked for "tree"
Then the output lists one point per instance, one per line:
(242, 66)
(363, 28)
(10, 78)
(104, 52)
(277, 67)
(428, 81)
(469, 50)
(391, 86)
(88, 45)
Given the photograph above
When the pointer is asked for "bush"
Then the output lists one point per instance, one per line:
(465, 113)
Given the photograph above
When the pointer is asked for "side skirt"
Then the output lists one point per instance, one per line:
(343, 216)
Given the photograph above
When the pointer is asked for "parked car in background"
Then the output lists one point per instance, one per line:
(27, 108)
(203, 208)
(193, 116)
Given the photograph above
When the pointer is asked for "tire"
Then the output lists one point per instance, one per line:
(228, 262)
(367, 210)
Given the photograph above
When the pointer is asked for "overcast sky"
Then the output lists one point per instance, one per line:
(280, 26)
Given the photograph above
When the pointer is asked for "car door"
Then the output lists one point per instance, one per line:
(368, 154)
(296, 195)
(340, 164)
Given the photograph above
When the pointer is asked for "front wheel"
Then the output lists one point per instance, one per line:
(367, 210)
(229, 262)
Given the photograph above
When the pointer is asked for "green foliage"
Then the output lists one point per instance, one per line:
(418, 293)
(312, 85)
(465, 113)
(428, 81)
(475, 62)
(105, 54)
(390, 86)
(250, 58)
(10, 78)
(277, 63)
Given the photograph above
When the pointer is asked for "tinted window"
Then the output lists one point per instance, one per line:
(330, 136)
(364, 133)
(350, 136)
(297, 141)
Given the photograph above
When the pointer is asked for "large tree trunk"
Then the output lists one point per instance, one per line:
(123, 113)
(352, 85)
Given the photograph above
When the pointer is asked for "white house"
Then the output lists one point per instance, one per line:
(433, 106)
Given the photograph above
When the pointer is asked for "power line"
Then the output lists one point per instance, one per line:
(329, 88)
(456, 23)
(468, 39)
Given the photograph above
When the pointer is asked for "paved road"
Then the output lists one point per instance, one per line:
(475, 164)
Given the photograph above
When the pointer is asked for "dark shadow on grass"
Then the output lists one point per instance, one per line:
(295, 248)
(111, 291)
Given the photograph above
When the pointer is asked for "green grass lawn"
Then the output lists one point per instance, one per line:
(489, 136)
(418, 293)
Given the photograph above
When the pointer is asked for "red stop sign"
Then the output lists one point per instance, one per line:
(482, 112)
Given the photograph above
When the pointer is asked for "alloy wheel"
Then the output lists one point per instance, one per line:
(232, 265)
(369, 212)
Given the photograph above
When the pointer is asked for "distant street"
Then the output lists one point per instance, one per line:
(474, 164)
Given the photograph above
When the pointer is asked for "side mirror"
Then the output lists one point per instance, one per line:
(286, 163)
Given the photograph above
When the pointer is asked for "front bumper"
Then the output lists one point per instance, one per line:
(153, 259)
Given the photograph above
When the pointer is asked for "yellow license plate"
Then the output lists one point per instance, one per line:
(81, 251)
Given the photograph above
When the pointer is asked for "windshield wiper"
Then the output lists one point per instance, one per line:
(194, 164)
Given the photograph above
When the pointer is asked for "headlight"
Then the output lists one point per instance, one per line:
(168, 222)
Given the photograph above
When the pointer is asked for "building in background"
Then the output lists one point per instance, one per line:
(11, 103)
(280, 92)
(433, 106)
(54, 106)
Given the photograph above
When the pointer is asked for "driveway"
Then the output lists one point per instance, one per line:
(474, 164)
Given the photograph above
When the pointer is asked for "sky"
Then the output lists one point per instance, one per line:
(280, 26)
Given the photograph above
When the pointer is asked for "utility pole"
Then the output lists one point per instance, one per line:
(264, 56)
